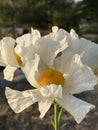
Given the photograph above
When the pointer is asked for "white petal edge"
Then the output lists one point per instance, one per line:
(35, 32)
(51, 91)
(31, 71)
(49, 94)
(78, 77)
(76, 107)
(25, 52)
(90, 55)
(87, 49)
(18, 100)
(63, 62)
(8, 44)
(48, 49)
(44, 106)
(25, 39)
(9, 72)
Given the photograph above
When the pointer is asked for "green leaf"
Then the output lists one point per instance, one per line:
(53, 123)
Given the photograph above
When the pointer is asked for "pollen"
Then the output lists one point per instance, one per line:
(18, 58)
(51, 76)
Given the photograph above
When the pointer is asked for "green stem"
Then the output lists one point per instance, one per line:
(56, 112)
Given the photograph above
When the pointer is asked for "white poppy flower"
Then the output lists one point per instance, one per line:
(13, 55)
(58, 80)
(8, 57)
(85, 48)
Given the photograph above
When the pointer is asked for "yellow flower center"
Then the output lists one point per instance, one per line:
(18, 58)
(51, 76)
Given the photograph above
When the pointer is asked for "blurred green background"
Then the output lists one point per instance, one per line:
(18, 16)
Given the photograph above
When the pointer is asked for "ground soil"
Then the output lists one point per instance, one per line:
(29, 119)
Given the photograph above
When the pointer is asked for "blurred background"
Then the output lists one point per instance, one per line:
(16, 18)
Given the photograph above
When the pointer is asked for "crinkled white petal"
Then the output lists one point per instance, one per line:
(62, 63)
(44, 106)
(31, 71)
(28, 39)
(19, 101)
(55, 29)
(48, 49)
(25, 52)
(85, 48)
(78, 77)
(58, 34)
(2, 63)
(90, 55)
(7, 49)
(49, 94)
(73, 34)
(25, 39)
(35, 32)
(61, 35)
(74, 43)
(76, 107)
(9, 72)
(52, 91)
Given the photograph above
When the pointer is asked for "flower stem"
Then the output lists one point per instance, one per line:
(58, 122)
(56, 111)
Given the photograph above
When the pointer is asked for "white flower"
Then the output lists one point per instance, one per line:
(7, 57)
(15, 54)
(87, 50)
(55, 78)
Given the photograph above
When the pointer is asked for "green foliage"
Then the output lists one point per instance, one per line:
(58, 121)
(86, 10)
(43, 14)
(37, 13)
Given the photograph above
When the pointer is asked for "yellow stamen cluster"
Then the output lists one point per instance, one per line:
(51, 76)
(18, 58)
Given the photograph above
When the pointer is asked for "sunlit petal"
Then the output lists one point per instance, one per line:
(19, 101)
(35, 32)
(52, 91)
(44, 106)
(90, 55)
(9, 72)
(25, 39)
(7, 49)
(48, 50)
(85, 48)
(31, 71)
(76, 107)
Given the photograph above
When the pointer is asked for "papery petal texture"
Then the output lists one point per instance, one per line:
(51, 91)
(76, 107)
(85, 48)
(48, 50)
(68, 56)
(7, 49)
(78, 77)
(19, 101)
(31, 71)
(44, 106)
(9, 72)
